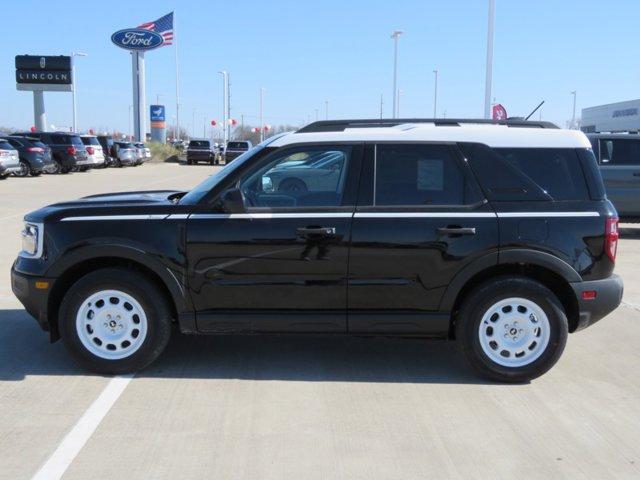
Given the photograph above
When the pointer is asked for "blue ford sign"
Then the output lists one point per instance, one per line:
(137, 39)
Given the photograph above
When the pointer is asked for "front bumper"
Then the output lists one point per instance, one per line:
(34, 299)
(608, 297)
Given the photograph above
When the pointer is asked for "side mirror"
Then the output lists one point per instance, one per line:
(233, 201)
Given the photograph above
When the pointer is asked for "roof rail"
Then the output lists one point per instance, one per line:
(341, 125)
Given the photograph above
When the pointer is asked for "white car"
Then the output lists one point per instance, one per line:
(9, 159)
(95, 155)
(144, 150)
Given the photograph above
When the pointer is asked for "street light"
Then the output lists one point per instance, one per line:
(262, 90)
(326, 109)
(489, 72)
(435, 94)
(130, 133)
(395, 35)
(400, 92)
(573, 117)
(193, 123)
(73, 84)
(225, 105)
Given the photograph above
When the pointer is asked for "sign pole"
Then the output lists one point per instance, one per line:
(39, 114)
(139, 108)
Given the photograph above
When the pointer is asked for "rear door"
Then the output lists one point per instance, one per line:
(420, 219)
(619, 160)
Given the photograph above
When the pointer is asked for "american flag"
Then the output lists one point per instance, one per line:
(163, 26)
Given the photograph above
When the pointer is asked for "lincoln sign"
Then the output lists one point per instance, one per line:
(34, 72)
(137, 39)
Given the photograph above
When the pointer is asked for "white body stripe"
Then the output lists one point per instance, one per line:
(266, 216)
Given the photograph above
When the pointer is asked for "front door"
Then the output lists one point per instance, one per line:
(281, 265)
(420, 219)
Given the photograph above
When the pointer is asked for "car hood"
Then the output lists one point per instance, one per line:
(107, 204)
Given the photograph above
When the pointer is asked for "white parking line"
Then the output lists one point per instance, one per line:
(55, 467)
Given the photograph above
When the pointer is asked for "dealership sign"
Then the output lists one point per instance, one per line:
(137, 39)
(36, 72)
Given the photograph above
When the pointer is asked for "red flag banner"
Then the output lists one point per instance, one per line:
(499, 112)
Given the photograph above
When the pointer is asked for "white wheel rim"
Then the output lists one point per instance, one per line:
(514, 332)
(111, 324)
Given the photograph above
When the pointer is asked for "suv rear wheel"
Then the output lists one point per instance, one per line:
(115, 320)
(512, 329)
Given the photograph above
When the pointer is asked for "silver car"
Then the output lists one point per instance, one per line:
(126, 153)
(9, 159)
(146, 151)
(94, 151)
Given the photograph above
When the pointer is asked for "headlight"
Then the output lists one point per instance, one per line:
(32, 240)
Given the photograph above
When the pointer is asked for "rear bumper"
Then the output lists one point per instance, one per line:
(35, 300)
(608, 297)
(7, 169)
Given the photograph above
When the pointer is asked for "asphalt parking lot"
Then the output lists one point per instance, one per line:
(308, 407)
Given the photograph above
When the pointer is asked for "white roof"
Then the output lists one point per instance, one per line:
(488, 134)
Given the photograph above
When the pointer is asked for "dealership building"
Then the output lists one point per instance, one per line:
(613, 117)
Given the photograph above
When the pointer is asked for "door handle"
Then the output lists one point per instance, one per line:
(457, 231)
(317, 231)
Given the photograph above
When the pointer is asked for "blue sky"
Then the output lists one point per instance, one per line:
(304, 53)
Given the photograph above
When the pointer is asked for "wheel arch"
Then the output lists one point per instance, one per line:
(553, 273)
(87, 261)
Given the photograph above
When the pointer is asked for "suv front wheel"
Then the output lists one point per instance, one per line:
(512, 329)
(115, 320)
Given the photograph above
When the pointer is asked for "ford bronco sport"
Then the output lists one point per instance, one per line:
(496, 234)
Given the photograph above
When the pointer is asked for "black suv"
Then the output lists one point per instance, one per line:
(200, 151)
(67, 149)
(497, 235)
(35, 156)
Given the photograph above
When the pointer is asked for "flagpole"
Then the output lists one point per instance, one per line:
(175, 48)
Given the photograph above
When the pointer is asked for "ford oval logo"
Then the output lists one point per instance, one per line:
(137, 39)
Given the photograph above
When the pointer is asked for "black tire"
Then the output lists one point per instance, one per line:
(481, 299)
(144, 291)
(25, 169)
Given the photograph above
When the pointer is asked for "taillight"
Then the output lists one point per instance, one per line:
(611, 238)
(4, 153)
(90, 150)
(71, 150)
(35, 149)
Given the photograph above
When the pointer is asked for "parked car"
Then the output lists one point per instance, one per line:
(9, 159)
(35, 156)
(235, 149)
(94, 151)
(146, 151)
(125, 153)
(619, 161)
(498, 235)
(67, 149)
(106, 142)
(200, 151)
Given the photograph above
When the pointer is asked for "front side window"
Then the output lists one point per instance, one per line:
(620, 152)
(300, 177)
(420, 175)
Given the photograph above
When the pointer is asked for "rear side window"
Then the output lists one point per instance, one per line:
(90, 141)
(527, 174)
(420, 175)
(620, 152)
(556, 170)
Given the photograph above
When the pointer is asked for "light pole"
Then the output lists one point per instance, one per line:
(573, 116)
(130, 133)
(395, 35)
(193, 123)
(435, 94)
(400, 92)
(73, 84)
(262, 90)
(489, 73)
(225, 103)
(326, 109)
(381, 105)
(158, 95)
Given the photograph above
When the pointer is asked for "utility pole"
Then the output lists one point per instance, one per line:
(489, 68)
(225, 99)
(435, 94)
(395, 35)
